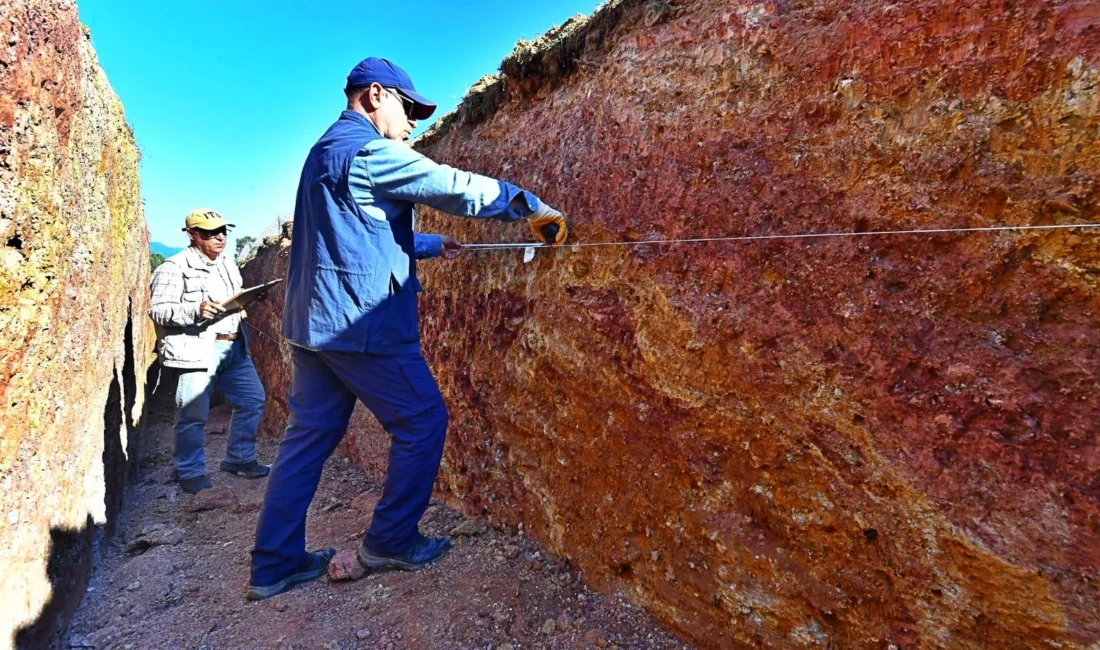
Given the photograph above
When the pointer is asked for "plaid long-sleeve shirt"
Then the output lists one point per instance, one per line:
(216, 282)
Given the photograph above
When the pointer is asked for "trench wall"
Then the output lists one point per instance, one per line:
(74, 344)
(859, 442)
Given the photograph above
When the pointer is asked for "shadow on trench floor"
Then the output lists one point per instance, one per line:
(174, 576)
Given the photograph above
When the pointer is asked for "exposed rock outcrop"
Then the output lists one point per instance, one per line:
(858, 443)
(74, 344)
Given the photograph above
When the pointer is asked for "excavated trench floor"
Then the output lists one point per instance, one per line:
(174, 574)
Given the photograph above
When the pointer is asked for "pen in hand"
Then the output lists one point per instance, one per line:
(209, 310)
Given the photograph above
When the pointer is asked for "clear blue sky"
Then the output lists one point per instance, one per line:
(227, 97)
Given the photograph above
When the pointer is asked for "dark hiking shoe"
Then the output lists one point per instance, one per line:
(421, 554)
(312, 567)
(251, 469)
(195, 484)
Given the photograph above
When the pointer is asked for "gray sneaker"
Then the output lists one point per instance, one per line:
(195, 484)
(422, 553)
(312, 567)
(251, 469)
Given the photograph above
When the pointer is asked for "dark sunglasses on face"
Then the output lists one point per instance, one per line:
(407, 104)
(210, 234)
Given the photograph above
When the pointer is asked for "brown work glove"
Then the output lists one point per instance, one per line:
(549, 225)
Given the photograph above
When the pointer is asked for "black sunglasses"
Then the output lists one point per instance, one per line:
(406, 103)
(210, 234)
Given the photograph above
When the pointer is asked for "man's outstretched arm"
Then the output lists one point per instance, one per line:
(397, 172)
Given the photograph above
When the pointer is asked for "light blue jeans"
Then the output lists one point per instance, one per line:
(235, 376)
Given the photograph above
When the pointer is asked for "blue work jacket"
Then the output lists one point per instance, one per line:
(352, 283)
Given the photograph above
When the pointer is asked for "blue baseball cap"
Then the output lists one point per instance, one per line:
(381, 71)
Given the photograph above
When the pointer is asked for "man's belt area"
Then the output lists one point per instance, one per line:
(226, 337)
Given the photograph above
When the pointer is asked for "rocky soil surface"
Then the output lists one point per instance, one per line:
(175, 575)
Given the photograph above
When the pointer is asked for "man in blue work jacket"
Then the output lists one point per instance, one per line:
(351, 317)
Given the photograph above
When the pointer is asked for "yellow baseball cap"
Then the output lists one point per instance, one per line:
(205, 219)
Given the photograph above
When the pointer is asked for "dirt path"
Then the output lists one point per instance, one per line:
(175, 574)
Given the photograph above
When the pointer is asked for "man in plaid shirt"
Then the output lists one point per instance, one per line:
(208, 348)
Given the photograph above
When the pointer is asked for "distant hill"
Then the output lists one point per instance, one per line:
(167, 251)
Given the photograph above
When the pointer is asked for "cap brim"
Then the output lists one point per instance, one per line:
(424, 106)
(210, 224)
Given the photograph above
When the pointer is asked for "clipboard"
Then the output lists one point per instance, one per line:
(241, 299)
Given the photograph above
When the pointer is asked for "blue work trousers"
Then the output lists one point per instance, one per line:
(235, 376)
(402, 393)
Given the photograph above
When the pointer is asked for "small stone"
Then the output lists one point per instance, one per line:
(134, 586)
(469, 528)
(279, 605)
(345, 566)
(501, 616)
(548, 627)
(157, 537)
(596, 637)
(564, 621)
(171, 594)
(506, 646)
(511, 551)
(518, 625)
(152, 528)
(363, 634)
(215, 499)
